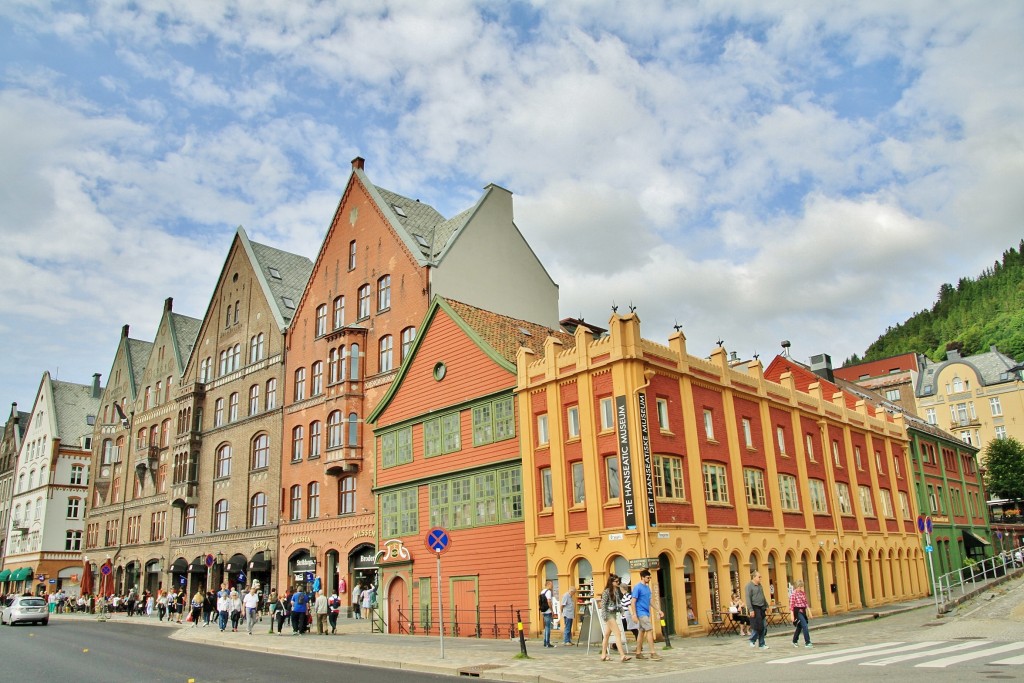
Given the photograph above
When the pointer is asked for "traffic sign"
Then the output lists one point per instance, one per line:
(928, 524)
(927, 548)
(210, 559)
(438, 540)
(920, 523)
(105, 569)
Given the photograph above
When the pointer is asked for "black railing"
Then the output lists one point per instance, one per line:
(495, 622)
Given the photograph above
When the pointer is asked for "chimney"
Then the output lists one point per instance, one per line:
(124, 331)
(14, 412)
(168, 304)
(358, 163)
(95, 385)
(821, 365)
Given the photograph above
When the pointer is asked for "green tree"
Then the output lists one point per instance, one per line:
(1004, 462)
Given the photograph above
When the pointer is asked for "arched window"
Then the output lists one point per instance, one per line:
(342, 363)
(354, 363)
(32, 479)
(271, 393)
(218, 412)
(220, 516)
(238, 304)
(156, 396)
(332, 366)
(256, 348)
(224, 461)
(346, 495)
(363, 302)
(224, 362)
(384, 293)
(258, 510)
(408, 337)
(317, 386)
(352, 255)
(314, 439)
(165, 433)
(321, 320)
(260, 452)
(386, 348)
(297, 437)
(334, 435)
(236, 357)
(233, 407)
(353, 429)
(339, 311)
(108, 452)
(254, 399)
(313, 500)
(295, 503)
(300, 384)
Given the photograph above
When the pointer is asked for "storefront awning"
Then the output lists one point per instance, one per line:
(5, 574)
(20, 574)
(971, 537)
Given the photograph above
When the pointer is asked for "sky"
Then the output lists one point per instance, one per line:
(750, 170)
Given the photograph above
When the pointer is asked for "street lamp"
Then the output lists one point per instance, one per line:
(312, 553)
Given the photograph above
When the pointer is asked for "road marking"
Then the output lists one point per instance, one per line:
(822, 655)
(1019, 659)
(929, 653)
(956, 659)
(859, 655)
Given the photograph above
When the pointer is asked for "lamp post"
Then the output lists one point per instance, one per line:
(220, 561)
(313, 549)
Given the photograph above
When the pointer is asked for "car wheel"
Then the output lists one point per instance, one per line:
(45, 622)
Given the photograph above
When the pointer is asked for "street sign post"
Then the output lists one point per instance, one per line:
(439, 541)
(924, 525)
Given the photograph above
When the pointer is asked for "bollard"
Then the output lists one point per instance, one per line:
(664, 632)
(522, 636)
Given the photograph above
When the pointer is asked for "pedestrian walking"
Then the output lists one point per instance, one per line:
(568, 614)
(357, 592)
(545, 603)
(250, 604)
(801, 612)
(235, 609)
(197, 608)
(283, 613)
(223, 609)
(321, 609)
(298, 612)
(333, 607)
(611, 609)
(757, 607)
(641, 611)
(272, 605)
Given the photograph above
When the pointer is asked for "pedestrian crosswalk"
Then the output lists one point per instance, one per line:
(937, 654)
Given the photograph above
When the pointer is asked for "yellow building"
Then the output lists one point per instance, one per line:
(639, 454)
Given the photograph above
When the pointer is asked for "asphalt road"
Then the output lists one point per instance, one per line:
(87, 652)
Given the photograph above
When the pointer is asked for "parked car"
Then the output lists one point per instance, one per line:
(25, 608)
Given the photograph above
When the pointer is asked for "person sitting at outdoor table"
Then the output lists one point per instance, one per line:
(737, 613)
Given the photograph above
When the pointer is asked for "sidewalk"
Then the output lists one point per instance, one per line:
(495, 659)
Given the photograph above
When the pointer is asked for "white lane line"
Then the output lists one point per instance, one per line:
(956, 659)
(832, 653)
(1013, 661)
(904, 648)
(928, 653)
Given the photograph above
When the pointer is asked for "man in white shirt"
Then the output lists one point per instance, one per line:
(250, 603)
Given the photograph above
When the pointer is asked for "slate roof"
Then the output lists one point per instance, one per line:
(138, 356)
(72, 403)
(22, 423)
(294, 271)
(504, 334)
(185, 331)
(993, 367)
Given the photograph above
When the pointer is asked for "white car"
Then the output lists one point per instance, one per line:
(25, 608)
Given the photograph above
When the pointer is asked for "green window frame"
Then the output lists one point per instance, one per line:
(398, 513)
(396, 448)
(510, 494)
(442, 435)
(494, 421)
(481, 499)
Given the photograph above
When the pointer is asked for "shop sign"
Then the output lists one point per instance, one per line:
(625, 462)
(644, 563)
(305, 563)
(645, 441)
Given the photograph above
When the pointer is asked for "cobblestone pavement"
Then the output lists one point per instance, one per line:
(997, 614)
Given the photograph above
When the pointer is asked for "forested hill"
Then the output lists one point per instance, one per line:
(977, 313)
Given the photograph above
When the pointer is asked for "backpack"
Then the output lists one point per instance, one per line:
(543, 602)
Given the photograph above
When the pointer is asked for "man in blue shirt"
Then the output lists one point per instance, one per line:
(299, 606)
(641, 611)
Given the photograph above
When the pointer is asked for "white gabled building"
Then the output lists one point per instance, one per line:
(51, 478)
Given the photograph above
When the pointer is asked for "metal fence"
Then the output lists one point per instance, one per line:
(494, 622)
(956, 584)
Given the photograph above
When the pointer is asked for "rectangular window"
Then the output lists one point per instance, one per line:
(716, 487)
(607, 414)
(481, 499)
(572, 418)
(995, 406)
(789, 498)
(578, 485)
(662, 404)
(398, 513)
(819, 502)
(843, 494)
(748, 438)
(904, 505)
(493, 421)
(809, 441)
(709, 424)
(887, 510)
(835, 454)
(753, 486)
(611, 469)
(892, 394)
(73, 541)
(363, 302)
(929, 416)
(856, 458)
(1000, 432)
(897, 470)
(668, 477)
(780, 438)
(510, 494)
(542, 429)
(546, 492)
(866, 502)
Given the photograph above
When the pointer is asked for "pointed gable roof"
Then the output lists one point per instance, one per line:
(184, 332)
(498, 336)
(138, 353)
(282, 275)
(73, 405)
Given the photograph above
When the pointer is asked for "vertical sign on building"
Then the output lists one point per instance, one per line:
(625, 463)
(645, 440)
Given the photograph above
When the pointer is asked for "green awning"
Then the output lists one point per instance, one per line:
(977, 538)
(20, 574)
(4, 574)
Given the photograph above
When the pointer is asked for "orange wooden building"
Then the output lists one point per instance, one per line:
(447, 456)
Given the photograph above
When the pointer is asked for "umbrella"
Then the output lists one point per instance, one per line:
(106, 579)
(86, 583)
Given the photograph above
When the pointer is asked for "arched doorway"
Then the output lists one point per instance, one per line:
(131, 577)
(690, 590)
(235, 572)
(152, 579)
(713, 588)
(362, 569)
(665, 592)
(197, 573)
(822, 594)
(302, 569)
(179, 574)
(397, 602)
(260, 570)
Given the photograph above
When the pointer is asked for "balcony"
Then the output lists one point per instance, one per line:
(345, 460)
(190, 389)
(185, 494)
(190, 440)
(964, 423)
(147, 458)
(19, 526)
